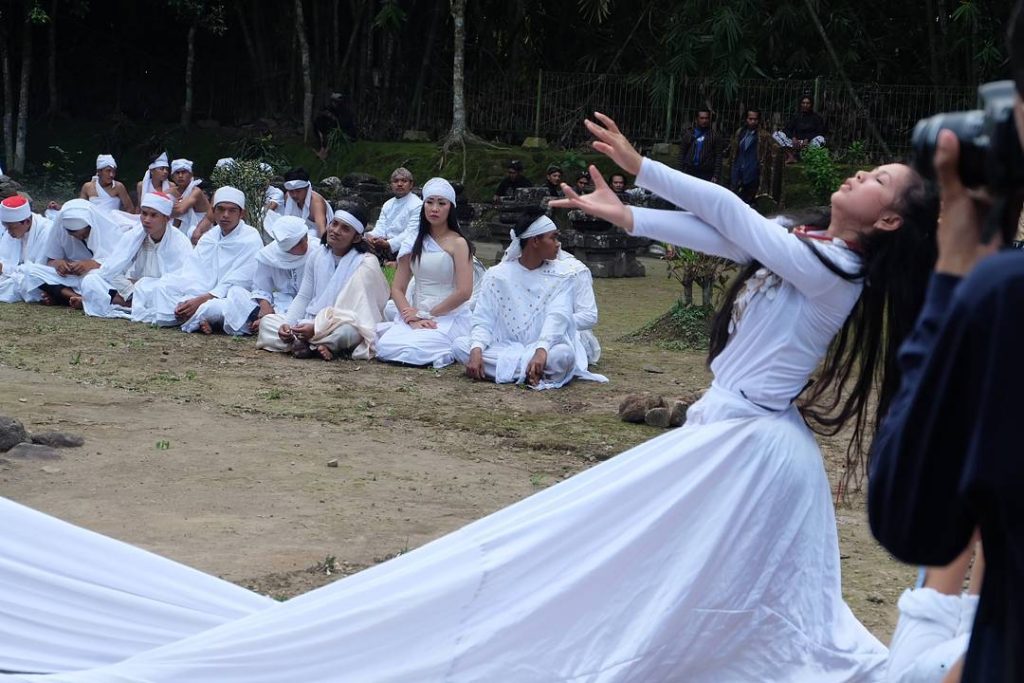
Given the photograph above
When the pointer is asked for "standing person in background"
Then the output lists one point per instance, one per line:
(700, 150)
(750, 154)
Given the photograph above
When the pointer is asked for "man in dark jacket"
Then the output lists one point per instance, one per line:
(513, 180)
(750, 154)
(805, 129)
(700, 150)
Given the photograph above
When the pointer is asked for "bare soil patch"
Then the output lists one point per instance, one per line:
(215, 454)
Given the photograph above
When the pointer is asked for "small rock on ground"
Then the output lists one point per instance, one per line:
(677, 415)
(31, 451)
(58, 439)
(657, 417)
(634, 407)
(12, 432)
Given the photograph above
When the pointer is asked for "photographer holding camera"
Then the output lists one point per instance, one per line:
(947, 459)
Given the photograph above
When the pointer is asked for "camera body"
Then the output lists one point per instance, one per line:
(990, 151)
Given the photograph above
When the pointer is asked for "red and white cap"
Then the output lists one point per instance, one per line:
(15, 209)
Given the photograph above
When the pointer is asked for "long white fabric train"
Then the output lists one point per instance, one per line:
(72, 599)
(707, 554)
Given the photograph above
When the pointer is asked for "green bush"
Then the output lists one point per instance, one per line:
(822, 173)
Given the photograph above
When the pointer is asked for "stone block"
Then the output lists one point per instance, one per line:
(535, 143)
(12, 432)
(657, 417)
(416, 136)
(634, 407)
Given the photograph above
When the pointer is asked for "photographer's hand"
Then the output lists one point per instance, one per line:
(962, 217)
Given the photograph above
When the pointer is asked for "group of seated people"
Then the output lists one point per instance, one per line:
(317, 288)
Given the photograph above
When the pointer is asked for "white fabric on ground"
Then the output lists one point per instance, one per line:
(931, 635)
(136, 256)
(73, 599)
(434, 273)
(397, 218)
(16, 254)
(216, 264)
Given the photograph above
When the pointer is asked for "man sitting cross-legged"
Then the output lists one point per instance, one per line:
(279, 270)
(340, 302)
(149, 249)
(23, 240)
(81, 238)
(523, 325)
(225, 256)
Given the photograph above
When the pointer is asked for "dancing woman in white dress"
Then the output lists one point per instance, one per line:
(437, 312)
(708, 554)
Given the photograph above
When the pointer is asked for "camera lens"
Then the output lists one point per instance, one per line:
(968, 128)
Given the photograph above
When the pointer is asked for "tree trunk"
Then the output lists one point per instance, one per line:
(26, 76)
(307, 79)
(706, 286)
(353, 39)
(458, 130)
(688, 294)
(933, 47)
(190, 61)
(259, 75)
(5, 56)
(335, 39)
(52, 58)
(417, 96)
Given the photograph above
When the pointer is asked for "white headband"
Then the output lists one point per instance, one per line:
(15, 209)
(105, 161)
(296, 184)
(539, 227)
(439, 187)
(230, 195)
(274, 194)
(158, 201)
(349, 220)
(288, 231)
(159, 162)
(181, 165)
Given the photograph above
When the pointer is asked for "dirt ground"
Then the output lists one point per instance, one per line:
(215, 454)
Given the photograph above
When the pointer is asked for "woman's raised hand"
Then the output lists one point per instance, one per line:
(601, 203)
(613, 144)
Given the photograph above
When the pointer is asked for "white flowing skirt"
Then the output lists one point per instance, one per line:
(707, 554)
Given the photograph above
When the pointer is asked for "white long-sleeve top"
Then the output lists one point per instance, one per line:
(529, 307)
(31, 248)
(396, 217)
(787, 314)
(584, 303)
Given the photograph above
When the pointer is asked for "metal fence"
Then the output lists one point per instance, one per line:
(554, 106)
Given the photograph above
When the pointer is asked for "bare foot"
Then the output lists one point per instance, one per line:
(205, 327)
(46, 299)
(118, 300)
(302, 350)
(75, 302)
(325, 352)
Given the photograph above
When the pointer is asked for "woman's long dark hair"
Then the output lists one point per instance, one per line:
(424, 230)
(895, 268)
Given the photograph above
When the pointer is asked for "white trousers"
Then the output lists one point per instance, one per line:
(559, 368)
(785, 141)
(344, 337)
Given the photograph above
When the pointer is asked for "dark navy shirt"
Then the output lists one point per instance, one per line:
(949, 457)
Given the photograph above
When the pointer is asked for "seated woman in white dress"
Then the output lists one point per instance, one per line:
(441, 259)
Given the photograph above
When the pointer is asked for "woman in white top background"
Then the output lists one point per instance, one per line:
(441, 259)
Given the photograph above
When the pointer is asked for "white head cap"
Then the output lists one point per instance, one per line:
(158, 201)
(105, 161)
(76, 214)
(439, 187)
(15, 209)
(230, 195)
(288, 231)
(181, 165)
(160, 162)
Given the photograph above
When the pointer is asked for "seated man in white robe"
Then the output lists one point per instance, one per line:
(225, 256)
(81, 238)
(192, 204)
(157, 178)
(340, 302)
(304, 202)
(23, 240)
(280, 266)
(148, 249)
(398, 215)
(103, 190)
(523, 325)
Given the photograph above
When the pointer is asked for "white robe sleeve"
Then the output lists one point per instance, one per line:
(263, 283)
(484, 316)
(683, 229)
(558, 317)
(779, 250)
(297, 309)
(584, 303)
